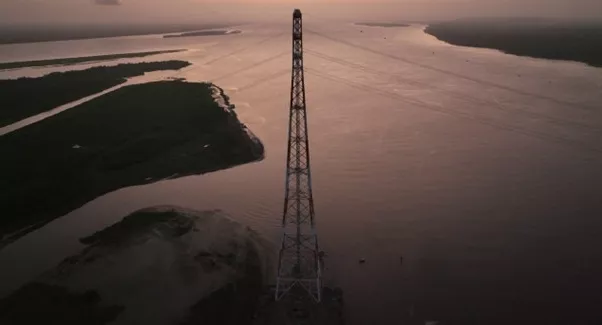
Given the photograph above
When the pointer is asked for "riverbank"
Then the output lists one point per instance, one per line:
(35, 33)
(205, 33)
(383, 24)
(135, 135)
(25, 97)
(546, 39)
(84, 59)
(162, 265)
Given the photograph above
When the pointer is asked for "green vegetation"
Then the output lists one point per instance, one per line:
(24, 97)
(71, 61)
(204, 33)
(134, 135)
(548, 39)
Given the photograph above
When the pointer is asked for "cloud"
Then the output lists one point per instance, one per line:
(108, 2)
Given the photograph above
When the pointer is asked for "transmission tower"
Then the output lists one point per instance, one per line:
(299, 266)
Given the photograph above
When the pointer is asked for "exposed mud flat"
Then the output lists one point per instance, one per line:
(162, 265)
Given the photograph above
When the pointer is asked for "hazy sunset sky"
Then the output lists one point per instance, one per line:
(167, 11)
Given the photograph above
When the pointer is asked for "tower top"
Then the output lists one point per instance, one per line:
(297, 13)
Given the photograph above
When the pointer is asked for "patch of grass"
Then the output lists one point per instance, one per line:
(24, 97)
(135, 135)
(71, 61)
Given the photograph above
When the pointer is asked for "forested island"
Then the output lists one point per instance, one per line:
(135, 135)
(25, 97)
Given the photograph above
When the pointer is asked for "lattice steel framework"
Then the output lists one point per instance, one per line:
(298, 263)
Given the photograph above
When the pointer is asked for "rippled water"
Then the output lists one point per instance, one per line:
(481, 169)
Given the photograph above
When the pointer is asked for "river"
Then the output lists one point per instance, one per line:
(481, 169)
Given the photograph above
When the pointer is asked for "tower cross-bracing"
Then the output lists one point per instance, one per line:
(299, 265)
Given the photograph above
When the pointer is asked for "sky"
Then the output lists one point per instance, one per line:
(187, 11)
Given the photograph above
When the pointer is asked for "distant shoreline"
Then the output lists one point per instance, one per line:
(204, 33)
(83, 59)
(545, 40)
(10, 34)
(387, 25)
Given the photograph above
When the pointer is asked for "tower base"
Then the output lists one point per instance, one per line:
(297, 308)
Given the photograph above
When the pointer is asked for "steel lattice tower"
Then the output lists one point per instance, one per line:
(298, 264)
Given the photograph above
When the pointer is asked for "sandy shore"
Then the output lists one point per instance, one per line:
(161, 265)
